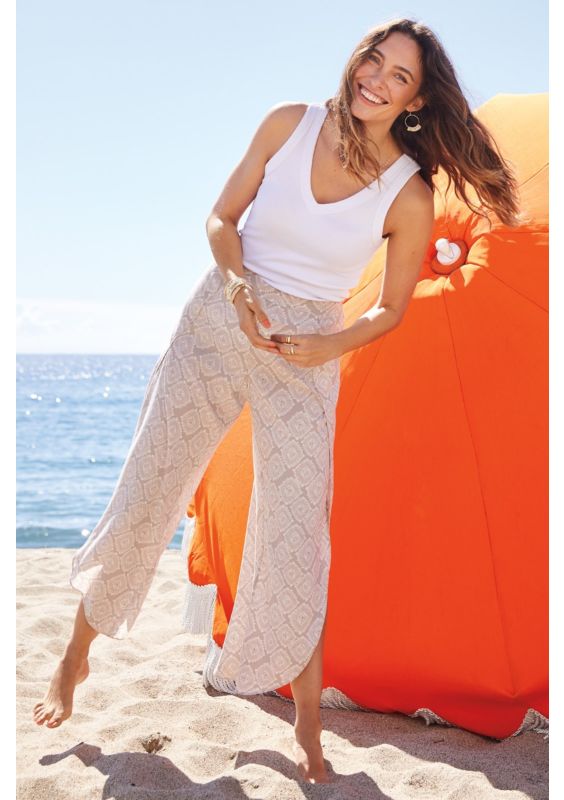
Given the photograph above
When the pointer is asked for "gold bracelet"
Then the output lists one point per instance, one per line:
(236, 289)
(232, 286)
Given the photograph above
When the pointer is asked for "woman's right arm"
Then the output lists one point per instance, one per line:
(238, 193)
(243, 184)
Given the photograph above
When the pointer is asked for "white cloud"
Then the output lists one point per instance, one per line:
(69, 326)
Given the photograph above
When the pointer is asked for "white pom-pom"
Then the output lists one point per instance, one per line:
(447, 252)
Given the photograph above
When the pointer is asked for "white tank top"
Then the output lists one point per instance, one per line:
(310, 249)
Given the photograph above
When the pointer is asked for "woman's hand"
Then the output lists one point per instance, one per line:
(249, 310)
(310, 349)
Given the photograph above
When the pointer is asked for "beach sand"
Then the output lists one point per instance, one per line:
(221, 746)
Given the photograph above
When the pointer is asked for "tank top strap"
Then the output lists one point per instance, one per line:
(406, 168)
(301, 130)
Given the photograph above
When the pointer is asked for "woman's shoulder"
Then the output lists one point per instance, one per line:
(281, 121)
(416, 191)
(414, 203)
(287, 114)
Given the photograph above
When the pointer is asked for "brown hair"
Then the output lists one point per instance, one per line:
(451, 137)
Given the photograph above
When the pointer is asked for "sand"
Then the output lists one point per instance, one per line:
(218, 745)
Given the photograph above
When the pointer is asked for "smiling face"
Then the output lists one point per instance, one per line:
(391, 77)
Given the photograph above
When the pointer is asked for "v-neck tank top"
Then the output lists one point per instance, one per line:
(310, 249)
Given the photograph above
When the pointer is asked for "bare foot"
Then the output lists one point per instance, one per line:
(56, 706)
(308, 755)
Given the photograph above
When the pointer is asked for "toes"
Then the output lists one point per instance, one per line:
(47, 714)
(54, 722)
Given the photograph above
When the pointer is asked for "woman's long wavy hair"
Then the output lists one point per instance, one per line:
(451, 137)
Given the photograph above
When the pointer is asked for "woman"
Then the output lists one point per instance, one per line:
(265, 325)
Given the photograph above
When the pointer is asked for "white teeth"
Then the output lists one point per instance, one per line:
(372, 97)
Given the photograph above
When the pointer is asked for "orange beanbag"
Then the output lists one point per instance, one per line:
(438, 591)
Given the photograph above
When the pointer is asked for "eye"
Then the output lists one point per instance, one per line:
(376, 58)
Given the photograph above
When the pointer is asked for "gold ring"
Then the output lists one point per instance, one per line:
(292, 350)
(288, 340)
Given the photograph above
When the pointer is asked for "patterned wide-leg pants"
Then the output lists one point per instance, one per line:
(195, 393)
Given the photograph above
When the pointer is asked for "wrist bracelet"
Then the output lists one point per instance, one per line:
(236, 289)
(232, 287)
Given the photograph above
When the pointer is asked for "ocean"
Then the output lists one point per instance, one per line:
(75, 419)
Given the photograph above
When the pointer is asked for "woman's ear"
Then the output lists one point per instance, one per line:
(416, 105)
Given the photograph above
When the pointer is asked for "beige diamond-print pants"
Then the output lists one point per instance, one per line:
(195, 393)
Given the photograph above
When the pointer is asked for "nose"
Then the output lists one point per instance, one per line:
(375, 82)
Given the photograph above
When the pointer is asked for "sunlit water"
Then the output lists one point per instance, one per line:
(75, 418)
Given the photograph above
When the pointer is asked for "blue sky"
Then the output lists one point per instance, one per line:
(131, 115)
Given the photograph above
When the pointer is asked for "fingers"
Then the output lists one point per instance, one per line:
(256, 308)
(282, 337)
(260, 314)
(250, 312)
(260, 341)
(291, 348)
(297, 351)
(250, 329)
(290, 352)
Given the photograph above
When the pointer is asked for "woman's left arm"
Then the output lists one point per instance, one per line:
(411, 226)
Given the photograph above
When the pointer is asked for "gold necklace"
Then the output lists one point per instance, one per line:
(388, 163)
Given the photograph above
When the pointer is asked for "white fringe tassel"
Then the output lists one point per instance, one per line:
(199, 601)
(197, 617)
